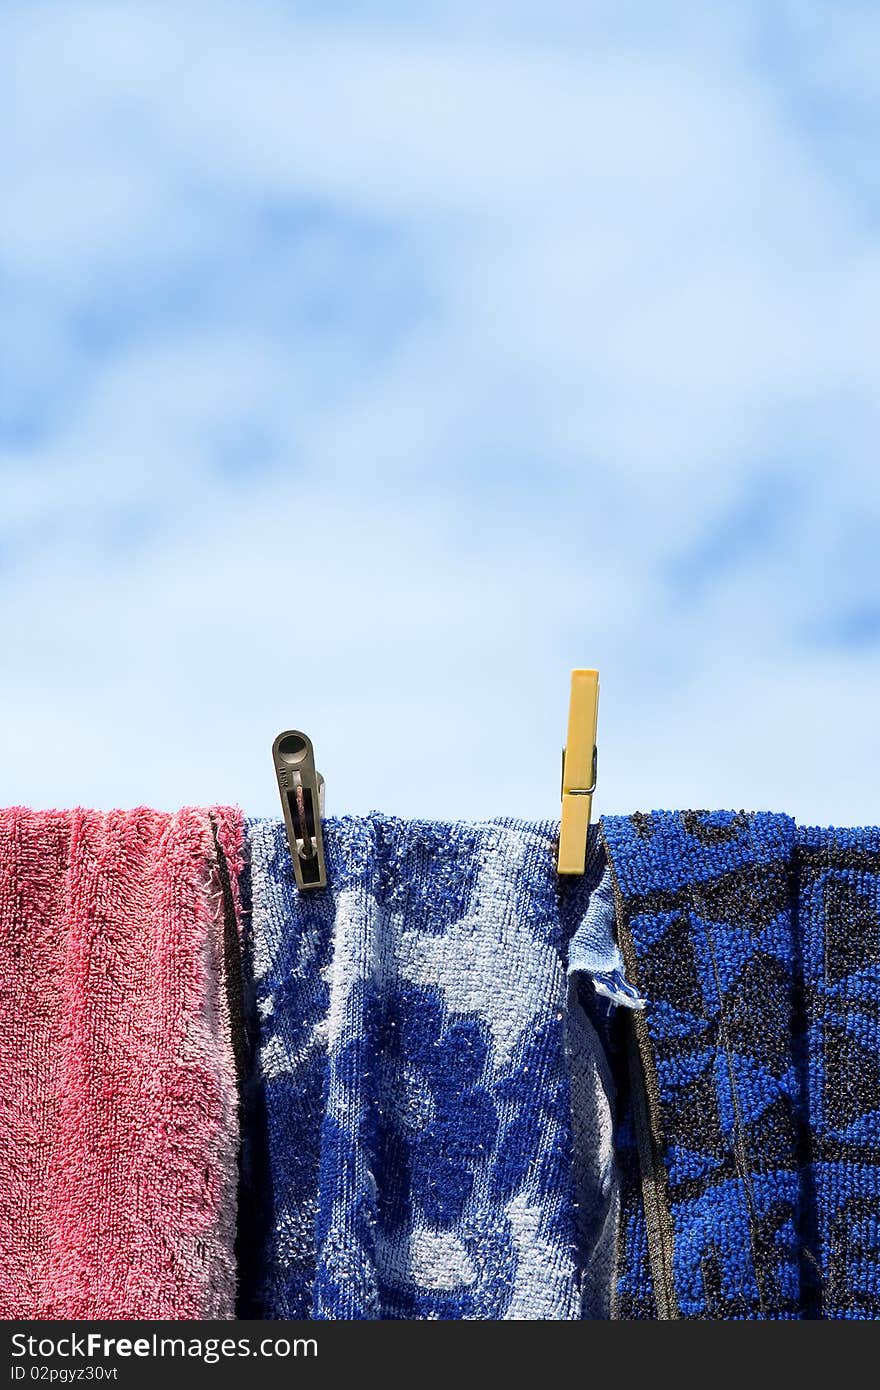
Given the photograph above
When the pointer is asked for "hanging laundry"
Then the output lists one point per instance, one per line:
(411, 1143)
(118, 1087)
(750, 1143)
(470, 1087)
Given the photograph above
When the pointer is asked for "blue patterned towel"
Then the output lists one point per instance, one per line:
(750, 1140)
(417, 1149)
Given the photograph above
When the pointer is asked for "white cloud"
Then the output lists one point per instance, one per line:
(368, 372)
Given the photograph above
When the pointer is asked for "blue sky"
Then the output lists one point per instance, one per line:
(363, 368)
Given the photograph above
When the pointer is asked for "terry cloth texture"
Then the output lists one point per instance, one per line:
(412, 1152)
(750, 1141)
(118, 1094)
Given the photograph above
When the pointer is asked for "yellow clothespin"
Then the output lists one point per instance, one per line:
(578, 771)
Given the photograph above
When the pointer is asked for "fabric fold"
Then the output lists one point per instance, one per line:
(118, 1094)
(839, 916)
(288, 952)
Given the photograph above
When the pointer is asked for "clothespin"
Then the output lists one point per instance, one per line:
(578, 772)
(302, 801)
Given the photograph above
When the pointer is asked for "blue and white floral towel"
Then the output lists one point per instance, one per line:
(413, 1150)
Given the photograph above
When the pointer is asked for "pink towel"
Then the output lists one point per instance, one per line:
(118, 1096)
